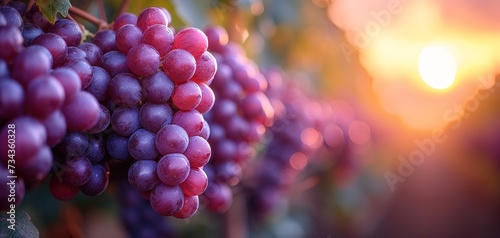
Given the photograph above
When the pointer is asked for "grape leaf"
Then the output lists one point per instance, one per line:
(24, 228)
(50, 8)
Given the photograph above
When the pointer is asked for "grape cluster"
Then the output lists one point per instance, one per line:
(304, 127)
(238, 120)
(134, 95)
(41, 95)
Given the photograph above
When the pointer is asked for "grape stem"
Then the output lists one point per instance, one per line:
(90, 18)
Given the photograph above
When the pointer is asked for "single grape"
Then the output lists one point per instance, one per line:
(96, 148)
(205, 131)
(219, 197)
(30, 135)
(179, 65)
(76, 170)
(166, 200)
(103, 121)
(124, 19)
(142, 175)
(157, 88)
(69, 80)
(34, 172)
(98, 181)
(68, 30)
(128, 36)
(12, 98)
(93, 53)
(56, 46)
(160, 37)
(186, 96)
(141, 145)
(154, 116)
(192, 40)
(43, 96)
(35, 15)
(198, 151)
(125, 120)
(125, 90)
(143, 60)
(81, 113)
(105, 40)
(173, 169)
(189, 208)
(75, 53)
(74, 144)
(196, 183)
(207, 99)
(171, 139)
(190, 121)
(151, 16)
(33, 61)
(206, 66)
(83, 69)
(12, 17)
(117, 147)
(55, 125)
(114, 62)
(217, 38)
(30, 32)
(99, 84)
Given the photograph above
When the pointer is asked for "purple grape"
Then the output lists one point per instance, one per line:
(141, 145)
(189, 208)
(81, 113)
(69, 80)
(43, 96)
(75, 53)
(217, 38)
(196, 182)
(11, 42)
(30, 32)
(114, 62)
(192, 40)
(207, 99)
(98, 181)
(11, 98)
(179, 65)
(218, 196)
(103, 121)
(166, 200)
(125, 90)
(12, 17)
(83, 69)
(173, 169)
(151, 16)
(99, 84)
(55, 125)
(198, 151)
(128, 36)
(68, 30)
(205, 131)
(186, 96)
(171, 139)
(74, 144)
(105, 40)
(142, 175)
(93, 53)
(19, 6)
(117, 147)
(160, 37)
(206, 66)
(4, 70)
(30, 135)
(34, 172)
(35, 15)
(157, 88)
(76, 170)
(124, 19)
(190, 121)
(143, 60)
(56, 46)
(125, 120)
(154, 116)
(96, 149)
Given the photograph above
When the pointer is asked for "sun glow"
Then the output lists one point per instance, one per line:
(437, 66)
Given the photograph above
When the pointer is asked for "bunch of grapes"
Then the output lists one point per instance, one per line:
(135, 95)
(305, 127)
(238, 120)
(41, 95)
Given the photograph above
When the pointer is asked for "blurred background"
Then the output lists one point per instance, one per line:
(417, 82)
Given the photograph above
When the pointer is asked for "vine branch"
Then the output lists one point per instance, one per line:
(88, 17)
(102, 12)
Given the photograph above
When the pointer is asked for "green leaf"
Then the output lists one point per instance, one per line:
(50, 8)
(21, 222)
